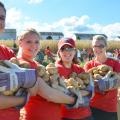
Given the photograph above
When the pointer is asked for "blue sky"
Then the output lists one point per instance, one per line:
(83, 16)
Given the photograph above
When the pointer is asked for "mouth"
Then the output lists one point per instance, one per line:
(32, 50)
(68, 56)
(98, 52)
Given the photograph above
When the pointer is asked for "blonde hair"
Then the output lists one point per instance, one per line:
(100, 37)
(26, 32)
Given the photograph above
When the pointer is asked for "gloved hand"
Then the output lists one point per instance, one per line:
(8, 80)
(87, 93)
(73, 105)
(112, 82)
(80, 101)
(14, 77)
(84, 102)
(27, 78)
(101, 85)
(22, 92)
(82, 96)
(107, 83)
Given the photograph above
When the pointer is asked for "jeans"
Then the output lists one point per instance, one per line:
(102, 115)
(88, 118)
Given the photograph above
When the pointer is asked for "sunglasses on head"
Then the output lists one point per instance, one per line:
(69, 49)
(99, 46)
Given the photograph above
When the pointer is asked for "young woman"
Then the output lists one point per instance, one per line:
(103, 106)
(44, 105)
(66, 65)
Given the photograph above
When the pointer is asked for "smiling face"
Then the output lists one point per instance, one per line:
(67, 54)
(29, 45)
(99, 47)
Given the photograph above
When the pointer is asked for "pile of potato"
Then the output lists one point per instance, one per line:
(50, 75)
(78, 82)
(101, 71)
(105, 73)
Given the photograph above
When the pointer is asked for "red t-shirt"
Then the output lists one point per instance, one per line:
(6, 53)
(81, 112)
(10, 113)
(108, 101)
(38, 108)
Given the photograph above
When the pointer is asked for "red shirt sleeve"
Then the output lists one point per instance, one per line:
(115, 64)
(6, 53)
(87, 66)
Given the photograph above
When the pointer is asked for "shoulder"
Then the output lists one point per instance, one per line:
(58, 64)
(113, 60)
(5, 48)
(77, 68)
(88, 65)
(6, 52)
(115, 64)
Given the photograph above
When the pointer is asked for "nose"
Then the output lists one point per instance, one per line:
(33, 45)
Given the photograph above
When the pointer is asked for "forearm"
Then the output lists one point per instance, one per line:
(52, 94)
(10, 101)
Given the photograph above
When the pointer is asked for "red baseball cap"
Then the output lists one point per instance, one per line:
(66, 41)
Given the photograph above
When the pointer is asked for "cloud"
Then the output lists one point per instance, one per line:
(111, 30)
(13, 18)
(70, 24)
(34, 1)
(73, 20)
(16, 19)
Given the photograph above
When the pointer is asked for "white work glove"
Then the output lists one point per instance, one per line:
(108, 82)
(13, 77)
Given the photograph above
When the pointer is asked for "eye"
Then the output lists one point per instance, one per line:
(28, 41)
(37, 42)
(99, 46)
(69, 49)
(2, 17)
